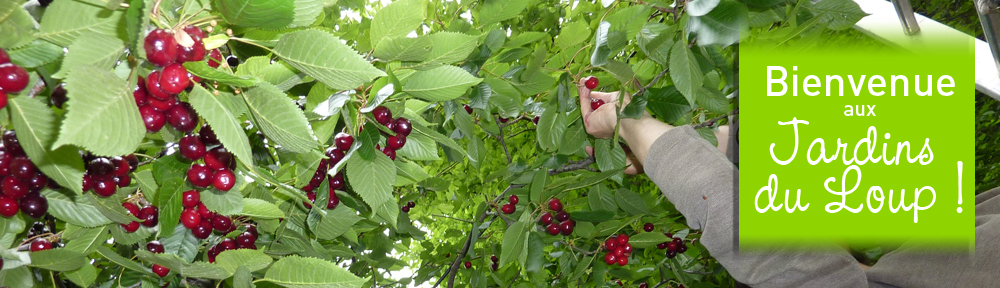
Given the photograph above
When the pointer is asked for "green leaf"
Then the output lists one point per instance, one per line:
(336, 222)
(17, 28)
(122, 261)
(647, 239)
(684, 71)
(111, 208)
(306, 12)
(526, 38)
(266, 14)
(837, 14)
(419, 147)
(551, 128)
(171, 203)
(573, 33)
(712, 100)
(169, 167)
(592, 180)
(64, 21)
(147, 184)
(181, 243)
(667, 104)
(225, 125)
(321, 55)
(280, 119)
(91, 49)
(593, 216)
(222, 202)
(36, 124)
(20, 277)
(223, 76)
(583, 266)
(404, 49)
(280, 74)
(36, 54)
(373, 181)
(630, 202)
(87, 239)
(601, 198)
(260, 209)
(136, 19)
(708, 135)
(729, 19)
(9, 228)
(601, 51)
(242, 278)
(448, 47)
(498, 10)
(83, 276)
(300, 272)
(251, 259)
(57, 259)
(636, 108)
(656, 40)
(515, 244)
(444, 140)
(440, 84)
(103, 109)
(126, 238)
(396, 20)
(622, 72)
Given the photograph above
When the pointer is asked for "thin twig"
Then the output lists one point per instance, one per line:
(502, 141)
(453, 218)
(712, 121)
(571, 166)
(585, 252)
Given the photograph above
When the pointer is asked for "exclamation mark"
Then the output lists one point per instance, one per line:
(959, 186)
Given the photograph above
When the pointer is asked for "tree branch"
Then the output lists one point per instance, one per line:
(452, 218)
(578, 165)
(712, 121)
(584, 252)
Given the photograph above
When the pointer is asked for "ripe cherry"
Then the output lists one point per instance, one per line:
(622, 261)
(190, 218)
(389, 152)
(403, 126)
(395, 142)
(122, 181)
(411, 204)
(405, 209)
(245, 238)
(671, 246)
(173, 79)
(219, 158)
(504, 119)
(37, 182)
(215, 58)
(40, 244)
(610, 259)
(622, 239)
(224, 180)
(200, 175)
(150, 216)
(553, 229)
(191, 147)
(611, 244)
(555, 205)
(513, 199)
(14, 188)
(58, 96)
(203, 230)
(682, 248)
(312, 199)
(671, 254)
(154, 87)
(535, 120)
(627, 248)
(22, 168)
(8, 206)
(596, 103)
(494, 258)
(333, 201)
(207, 136)
(131, 208)
(562, 216)
(105, 188)
(226, 245)
(468, 264)
(100, 167)
(190, 198)
(203, 212)
(34, 205)
(662, 246)
(182, 117)
(122, 166)
(131, 226)
(468, 108)
(382, 115)
(591, 82)
(197, 51)
(161, 48)
(566, 227)
(547, 218)
(343, 141)
(507, 208)
(13, 78)
(153, 119)
(154, 247)
(160, 270)
(643, 285)
(222, 223)
(5, 160)
(648, 227)
(337, 182)
(11, 144)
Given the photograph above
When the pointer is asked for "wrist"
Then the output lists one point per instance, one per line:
(630, 127)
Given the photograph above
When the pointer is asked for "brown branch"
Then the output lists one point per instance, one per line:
(712, 121)
(453, 270)
(585, 252)
(578, 165)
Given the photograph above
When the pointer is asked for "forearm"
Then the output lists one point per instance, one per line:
(641, 133)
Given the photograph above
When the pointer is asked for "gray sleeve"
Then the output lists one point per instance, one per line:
(699, 180)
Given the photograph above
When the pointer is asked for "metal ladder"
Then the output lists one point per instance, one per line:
(989, 17)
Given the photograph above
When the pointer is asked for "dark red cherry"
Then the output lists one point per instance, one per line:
(131, 208)
(648, 227)
(38, 182)
(591, 82)
(395, 142)
(13, 78)
(562, 216)
(40, 244)
(194, 53)
(150, 216)
(182, 117)
(190, 198)
(222, 223)
(190, 218)
(161, 48)
(173, 79)
(105, 188)
(153, 119)
(596, 103)
(513, 199)
(162, 105)
(154, 247)
(468, 108)
(611, 244)
(504, 119)
(610, 259)
(139, 93)
(224, 180)
(468, 264)
(160, 270)
(333, 201)
(337, 181)
(225, 245)
(382, 115)
(219, 158)
(566, 227)
(215, 58)
(312, 199)
(507, 208)
(8, 206)
(133, 162)
(14, 188)
(208, 136)
(191, 147)
(552, 229)
(343, 141)
(245, 238)
(34, 205)
(58, 96)
(411, 204)
(336, 155)
(22, 168)
(389, 152)
(154, 88)
(100, 167)
(11, 144)
(403, 126)
(546, 218)
(130, 226)
(200, 176)
(535, 120)
(555, 205)
(406, 209)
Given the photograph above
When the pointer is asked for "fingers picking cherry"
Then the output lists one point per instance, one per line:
(591, 82)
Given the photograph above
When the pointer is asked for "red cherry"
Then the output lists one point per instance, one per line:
(662, 246)
(333, 201)
(562, 216)
(513, 199)
(395, 142)
(507, 208)
(610, 259)
(389, 152)
(405, 209)
(100, 168)
(627, 248)
(22, 168)
(160, 270)
(203, 212)
(224, 180)
(546, 218)
(11, 143)
(622, 239)
(591, 82)
(552, 229)
(207, 136)
(8, 206)
(683, 248)
(203, 230)
(161, 48)
(468, 264)
(611, 244)
(535, 120)
(197, 50)
(312, 199)
(566, 227)
(468, 108)
(191, 147)
(382, 115)
(154, 87)
(403, 126)
(173, 79)
(162, 105)
(13, 188)
(150, 216)
(4, 57)
(494, 258)
(555, 205)
(105, 188)
(671, 246)
(671, 254)
(139, 93)
(182, 117)
(648, 227)
(337, 182)
(153, 119)
(5, 160)
(131, 208)
(190, 198)
(13, 78)
(215, 58)
(622, 261)
(411, 204)
(40, 244)
(225, 245)
(154, 247)
(596, 103)
(200, 176)
(190, 218)
(504, 119)
(219, 158)
(246, 238)
(222, 223)
(194, 31)
(643, 285)
(131, 226)
(122, 166)
(37, 182)
(344, 141)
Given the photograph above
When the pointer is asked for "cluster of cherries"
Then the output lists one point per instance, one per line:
(409, 205)
(399, 125)
(104, 175)
(509, 207)
(496, 262)
(156, 95)
(199, 220)
(40, 243)
(618, 250)
(13, 78)
(150, 216)
(245, 240)
(591, 83)
(22, 182)
(673, 247)
(560, 223)
(342, 142)
(217, 170)
(156, 247)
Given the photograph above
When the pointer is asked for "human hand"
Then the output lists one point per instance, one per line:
(601, 122)
(632, 164)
